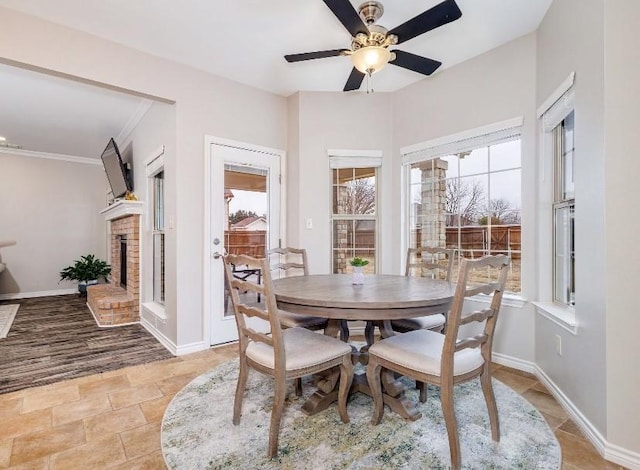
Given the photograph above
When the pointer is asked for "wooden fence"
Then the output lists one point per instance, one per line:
(250, 242)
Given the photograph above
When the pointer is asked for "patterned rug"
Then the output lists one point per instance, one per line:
(197, 432)
(7, 314)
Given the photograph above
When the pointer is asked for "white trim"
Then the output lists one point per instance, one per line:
(564, 317)
(42, 293)
(510, 300)
(413, 153)
(560, 110)
(514, 362)
(155, 309)
(122, 208)
(134, 120)
(578, 418)
(209, 142)
(162, 339)
(556, 95)
(52, 156)
(621, 456)
(191, 348)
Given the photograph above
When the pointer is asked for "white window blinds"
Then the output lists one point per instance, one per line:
(463, 141)
(354, 158)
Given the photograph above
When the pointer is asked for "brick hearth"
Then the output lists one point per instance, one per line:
(113, 304)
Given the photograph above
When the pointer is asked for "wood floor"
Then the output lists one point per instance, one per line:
(112, 419)
(56, 338)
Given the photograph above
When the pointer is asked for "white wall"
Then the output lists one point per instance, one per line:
(336, 121)
(51, 209)
(205, 104)
(493, 87)
(156, 128)
(569, 41)
(622, 219)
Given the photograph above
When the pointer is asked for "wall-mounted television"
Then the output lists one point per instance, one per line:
(117, 172)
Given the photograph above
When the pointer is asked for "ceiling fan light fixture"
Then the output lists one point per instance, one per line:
(370, 59)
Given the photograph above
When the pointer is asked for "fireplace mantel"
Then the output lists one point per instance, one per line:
(121, 209)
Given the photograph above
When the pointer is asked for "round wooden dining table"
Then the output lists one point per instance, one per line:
(381, 299)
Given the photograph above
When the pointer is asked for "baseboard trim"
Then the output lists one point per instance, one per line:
(622, 456)
(514, 363)
(42, 293)
(157, 334)
(589, 430)
(170, 345)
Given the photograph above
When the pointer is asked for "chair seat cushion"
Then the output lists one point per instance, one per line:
(303, 348)
(427, 322)
(292, 320)
(421, 350)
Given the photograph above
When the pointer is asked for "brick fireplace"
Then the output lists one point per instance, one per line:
(118, 302)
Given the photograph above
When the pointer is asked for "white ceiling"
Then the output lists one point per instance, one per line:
(243, 40)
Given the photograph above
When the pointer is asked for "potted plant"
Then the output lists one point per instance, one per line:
(86, 270)
(358, 275)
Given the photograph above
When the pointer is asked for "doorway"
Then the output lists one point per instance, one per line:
(244, 212)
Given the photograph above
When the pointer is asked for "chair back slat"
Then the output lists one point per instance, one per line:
(473, 342)
(429, 261)
(288, 261)
(267, 310)
(479, 274)
(477, 316)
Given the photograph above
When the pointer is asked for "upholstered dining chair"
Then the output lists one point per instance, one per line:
(282, 353)
(426, 261)
(285, 262)
(443, 359)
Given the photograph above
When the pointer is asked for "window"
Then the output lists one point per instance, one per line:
(464, 193)
(354, 217)
(470, 202)
(563, 213)
(158, 238)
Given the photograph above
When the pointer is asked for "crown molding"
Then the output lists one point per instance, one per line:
(134, 120)
(51, 156)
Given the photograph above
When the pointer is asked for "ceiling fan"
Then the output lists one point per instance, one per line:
(370, 46)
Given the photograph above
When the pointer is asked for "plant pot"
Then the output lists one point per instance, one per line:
(82, 286)
(357, 277)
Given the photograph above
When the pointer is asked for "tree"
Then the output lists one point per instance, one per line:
(358, 197)
(501, 212)
(464, 200)
(240, 215)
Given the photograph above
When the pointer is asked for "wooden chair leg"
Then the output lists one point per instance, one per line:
(492, 408)
(297, 386)
(446, 397)
(276, 415)
(422, 388)
(373, 378)
(346, 377)
(240, 386)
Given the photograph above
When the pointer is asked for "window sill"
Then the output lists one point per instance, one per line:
(510, 300)
(155, 309)
(564, 317)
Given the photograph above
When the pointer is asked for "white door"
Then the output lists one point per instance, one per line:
(245, 218)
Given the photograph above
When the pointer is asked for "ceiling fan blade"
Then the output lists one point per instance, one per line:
(313, 55)
(433, 18)
(414, 62)
(348, 16)
(354, 81)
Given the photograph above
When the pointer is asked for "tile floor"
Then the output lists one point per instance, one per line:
(112, 420)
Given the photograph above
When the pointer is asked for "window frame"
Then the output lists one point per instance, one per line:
(354, 159)
(552, 112)
(494, 133)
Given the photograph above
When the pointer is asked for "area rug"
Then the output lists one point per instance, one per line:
(197, 432)
(7, 314)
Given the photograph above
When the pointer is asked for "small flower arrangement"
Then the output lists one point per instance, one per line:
(358, 262)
